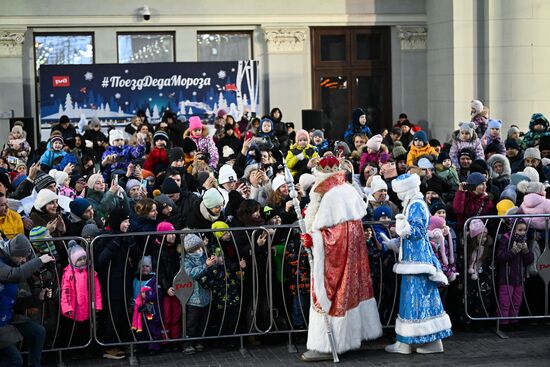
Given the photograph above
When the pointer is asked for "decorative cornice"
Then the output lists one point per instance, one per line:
(285, 39)
(413, 38)
(10, 43)
(237, 19)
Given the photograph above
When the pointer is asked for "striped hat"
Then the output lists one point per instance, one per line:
(38, 233)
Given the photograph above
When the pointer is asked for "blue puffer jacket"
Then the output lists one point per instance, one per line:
(125, 154)
(355, 127)
(195, 267)
(49, 157)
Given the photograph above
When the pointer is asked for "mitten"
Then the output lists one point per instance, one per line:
(392, 244)
(402, 226)
(545, 161)
(524, 248)
(300, 156)
(307, 241)
(516, 248)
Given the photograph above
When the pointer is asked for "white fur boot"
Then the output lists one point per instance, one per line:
(433, 347)
(399, 347)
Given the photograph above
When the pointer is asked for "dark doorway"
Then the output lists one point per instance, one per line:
(352, 68)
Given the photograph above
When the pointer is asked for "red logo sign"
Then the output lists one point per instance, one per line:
(184, 285)
(61, 81)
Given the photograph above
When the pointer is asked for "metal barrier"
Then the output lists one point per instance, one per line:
(63, 331)
(269, 296)
(503, 283)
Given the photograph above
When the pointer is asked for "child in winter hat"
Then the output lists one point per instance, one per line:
(478, 243)
(118, 154)
(478, 116)
(444, 169)
(442, 244)
(193, 244)
(299, 154)
(39, 233)
(319, 142)
(465, 138)
(374, 152)
(77, 255)
(420, 147)
(90, 231)
(492, 136)
(205, 144)
(75, 302)
(538, 128)
(221, 235)
(504, 206)
(167, 239)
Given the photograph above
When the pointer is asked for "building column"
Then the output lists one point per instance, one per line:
(410, 78)
(287, 71)
(11, 72)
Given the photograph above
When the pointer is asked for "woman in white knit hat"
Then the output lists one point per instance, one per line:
(46, 212)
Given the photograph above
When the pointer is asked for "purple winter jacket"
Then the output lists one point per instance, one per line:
(457, 145)
(511, 267)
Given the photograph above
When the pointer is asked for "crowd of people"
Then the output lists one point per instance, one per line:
(177, 174)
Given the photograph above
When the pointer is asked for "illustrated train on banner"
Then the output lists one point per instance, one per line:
(114, 93)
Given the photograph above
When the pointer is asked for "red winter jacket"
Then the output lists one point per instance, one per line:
(466, 204)
(157, 156)
(74, 294)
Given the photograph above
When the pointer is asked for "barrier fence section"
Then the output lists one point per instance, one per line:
(64, 316)
(507, 268)
(144, 289)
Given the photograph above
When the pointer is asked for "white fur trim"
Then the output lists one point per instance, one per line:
(421, 268)
(402, 228)
(434, 325)
(350, 207)
(358, 324)
(312, 209)
(439, 277)
(406, 184)
(319, 270)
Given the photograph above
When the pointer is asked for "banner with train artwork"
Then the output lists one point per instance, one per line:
(114, 93)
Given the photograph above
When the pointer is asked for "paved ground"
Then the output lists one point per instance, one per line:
(529, 347)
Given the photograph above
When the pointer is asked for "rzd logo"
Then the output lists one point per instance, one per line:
(61, 81)
(544, 266)
(184, 285)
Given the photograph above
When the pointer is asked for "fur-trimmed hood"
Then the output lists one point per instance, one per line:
(205, 132)
(538, 117)
(502, 159)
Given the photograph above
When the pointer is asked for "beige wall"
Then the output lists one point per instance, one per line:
(493, 50)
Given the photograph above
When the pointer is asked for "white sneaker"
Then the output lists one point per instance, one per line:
(433, 347)
(399, 347)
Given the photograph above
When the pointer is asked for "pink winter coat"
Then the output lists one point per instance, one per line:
(74, 294)
(535, 204)
(206, 145)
